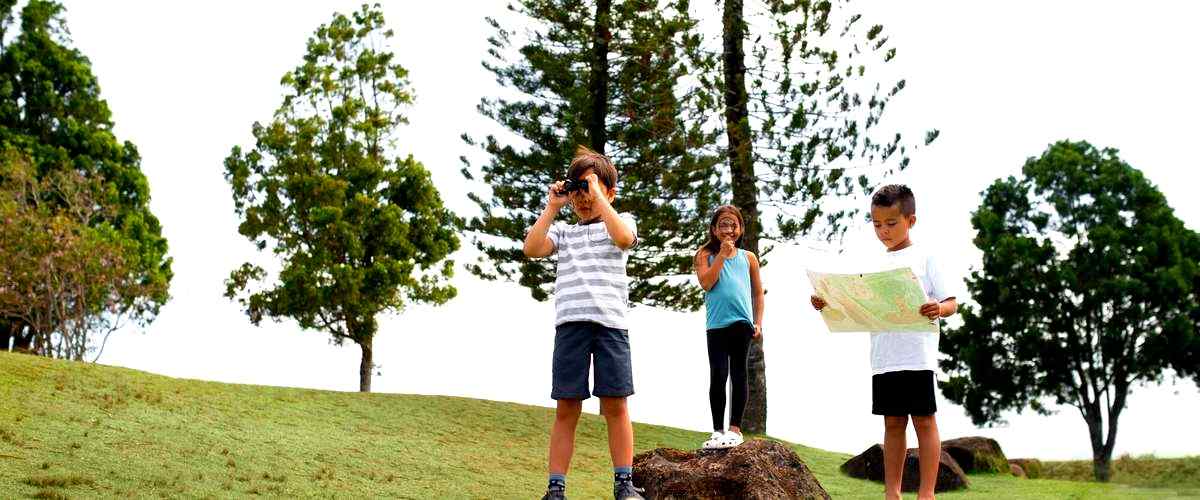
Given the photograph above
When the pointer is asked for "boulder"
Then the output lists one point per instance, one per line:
(869, 465)
(758, 469)
(1016, 470)
(1031, 466)
(977, 454)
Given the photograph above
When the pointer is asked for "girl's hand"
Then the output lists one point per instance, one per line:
(931, 310)
(757, 332)
(817, 302)
(728, 250)
(554, 199)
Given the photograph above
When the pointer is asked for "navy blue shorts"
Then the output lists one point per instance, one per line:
(903, 393)
(576, 345)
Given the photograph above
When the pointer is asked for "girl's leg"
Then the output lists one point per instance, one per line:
(718, 372)
(894, 451)
(739, 349)
(930, 452)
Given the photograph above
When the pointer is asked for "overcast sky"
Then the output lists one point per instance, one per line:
(185, 81)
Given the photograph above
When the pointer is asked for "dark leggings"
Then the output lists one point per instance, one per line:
(727, 349)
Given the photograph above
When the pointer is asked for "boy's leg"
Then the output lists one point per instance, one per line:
(894, 450)
(718, 373)
(620, 430)
(562, 435)
(614, 383)
(930, 453)
(572, 342)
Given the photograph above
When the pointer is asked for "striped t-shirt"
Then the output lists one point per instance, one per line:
(591, 284)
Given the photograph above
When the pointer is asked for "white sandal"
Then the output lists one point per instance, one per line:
(730, 439)
(714, 441)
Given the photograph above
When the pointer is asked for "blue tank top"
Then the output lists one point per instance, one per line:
(728, 301)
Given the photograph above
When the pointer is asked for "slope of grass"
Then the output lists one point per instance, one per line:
(1183, 473)
(71, 430)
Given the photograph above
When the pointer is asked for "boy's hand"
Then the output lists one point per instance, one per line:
(554, 199)
(728, 250)
(595, 188)
(931, 310)
(817, 302)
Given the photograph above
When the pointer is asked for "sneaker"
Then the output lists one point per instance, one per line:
(625, 490)
(714, 441)
(730, 440)
(553, 494)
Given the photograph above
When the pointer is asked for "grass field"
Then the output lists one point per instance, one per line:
(74, 430)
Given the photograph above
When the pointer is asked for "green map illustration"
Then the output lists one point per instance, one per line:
(888, 301)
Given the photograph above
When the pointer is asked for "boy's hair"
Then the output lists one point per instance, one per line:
(586, 159)
(892, 194)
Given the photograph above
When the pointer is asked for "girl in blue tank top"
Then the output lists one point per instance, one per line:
(733, 307)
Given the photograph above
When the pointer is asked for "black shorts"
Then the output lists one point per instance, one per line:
(903, 393)
(576, 344)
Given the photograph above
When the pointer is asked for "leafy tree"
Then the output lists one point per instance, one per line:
(51, 111)
(358, 232)
(63, 278)
(1089, 286)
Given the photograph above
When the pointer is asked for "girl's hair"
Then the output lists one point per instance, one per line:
(713, 245)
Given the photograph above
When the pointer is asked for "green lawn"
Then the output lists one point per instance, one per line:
(1181, 473)
(73, 430)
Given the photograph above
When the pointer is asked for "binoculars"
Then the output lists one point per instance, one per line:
(571, 185)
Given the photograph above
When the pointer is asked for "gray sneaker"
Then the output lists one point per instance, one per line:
(625, 490)
(552, 494)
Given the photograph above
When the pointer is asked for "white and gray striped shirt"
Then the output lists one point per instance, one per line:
(591, 284)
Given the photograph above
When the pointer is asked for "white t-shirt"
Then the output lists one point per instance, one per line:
(897, 351)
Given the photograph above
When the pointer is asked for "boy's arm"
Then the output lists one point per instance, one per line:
(756, 291)
(948, 307)
(620, 232)
(537, 241)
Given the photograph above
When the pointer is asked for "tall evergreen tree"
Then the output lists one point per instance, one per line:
(606, 75)
(51, 111)
(799, 123)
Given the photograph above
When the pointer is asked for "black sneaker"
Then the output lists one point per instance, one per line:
(554, 494)
(624, 490)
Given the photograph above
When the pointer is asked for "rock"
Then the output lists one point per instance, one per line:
(1016, 470)
(977, 454)
(1031, 466)
(869, 465)
(758, 469)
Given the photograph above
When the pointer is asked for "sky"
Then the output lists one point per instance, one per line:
(1001, 81)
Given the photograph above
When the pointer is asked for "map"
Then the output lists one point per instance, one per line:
(888, 301)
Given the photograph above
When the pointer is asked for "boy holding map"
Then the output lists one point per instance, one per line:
(903, 363)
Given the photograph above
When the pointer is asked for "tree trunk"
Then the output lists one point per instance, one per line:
(367, 366)
(6, 334)
(745, 190)
(23, 337)
(598, 81)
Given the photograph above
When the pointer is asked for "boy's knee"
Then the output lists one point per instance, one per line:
(613, 407)
(895, 422)
(568, 409)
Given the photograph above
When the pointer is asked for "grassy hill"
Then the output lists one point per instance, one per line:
(74, 430)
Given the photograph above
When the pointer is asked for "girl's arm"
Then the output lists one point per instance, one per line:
(756, 293)
(708, 274)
